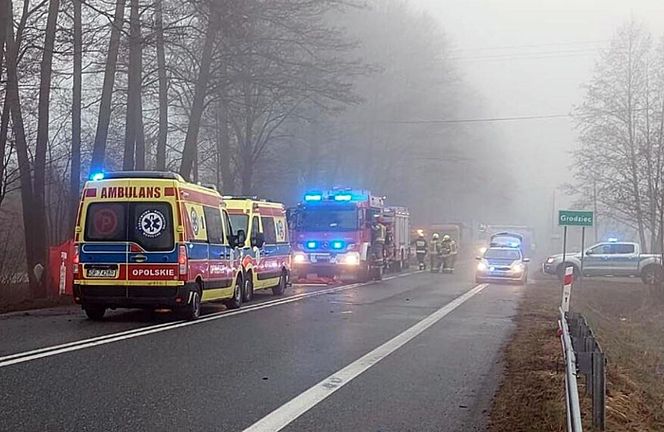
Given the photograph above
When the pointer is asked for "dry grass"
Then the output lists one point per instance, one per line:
(630, 328)
(531, 397)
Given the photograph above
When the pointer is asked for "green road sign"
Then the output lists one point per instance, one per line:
(575, 218)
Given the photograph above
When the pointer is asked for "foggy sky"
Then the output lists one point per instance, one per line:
(528, 57)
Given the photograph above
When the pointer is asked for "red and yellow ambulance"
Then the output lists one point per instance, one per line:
(266, 249)
(151, 240)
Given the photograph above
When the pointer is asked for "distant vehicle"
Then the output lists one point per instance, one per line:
(609, 259)
(266, 252)
(509, 235)
(502, 264)
(151, 240)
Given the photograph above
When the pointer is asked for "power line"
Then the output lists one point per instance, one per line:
(477, 120)
(526, 55)
(552, 44)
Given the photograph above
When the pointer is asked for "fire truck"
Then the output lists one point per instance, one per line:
(397, 251)
(333, 235)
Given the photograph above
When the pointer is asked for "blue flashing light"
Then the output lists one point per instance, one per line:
(311, 245)
(337, 245)
(613, 239)
(343, 197)
(97, 176)
(313, 197)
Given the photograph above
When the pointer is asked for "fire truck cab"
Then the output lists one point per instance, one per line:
(332, 234)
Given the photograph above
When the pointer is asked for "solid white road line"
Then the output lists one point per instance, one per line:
(143, 331)
(287, 413)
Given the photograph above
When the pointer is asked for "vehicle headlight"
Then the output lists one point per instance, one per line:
(550, 260)
(351, 258)
(299, 258)
(482, 250)
(482, 266)
(517, 267)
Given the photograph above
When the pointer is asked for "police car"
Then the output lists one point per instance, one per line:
(502, 264)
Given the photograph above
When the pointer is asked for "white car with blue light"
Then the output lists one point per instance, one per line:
(502, 264)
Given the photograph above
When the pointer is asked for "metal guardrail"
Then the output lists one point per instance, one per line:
(591, 362)
(571, 388)
(583, 355)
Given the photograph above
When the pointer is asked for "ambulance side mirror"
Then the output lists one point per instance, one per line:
(240, 238)
(258, 240)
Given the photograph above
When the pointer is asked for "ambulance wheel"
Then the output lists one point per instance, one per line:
(95, 312)
(248, 289)
(280, 288)
(236, 301)
(192, 311)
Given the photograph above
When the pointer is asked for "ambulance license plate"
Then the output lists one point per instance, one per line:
(102, 272)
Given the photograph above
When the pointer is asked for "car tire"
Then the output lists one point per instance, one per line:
(280, 288)
(364, 272)
(236, 301)
(248, 288)
(652, 274)
(95, 312)
(192, 311)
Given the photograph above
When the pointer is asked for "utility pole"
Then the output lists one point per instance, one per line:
(596, 227)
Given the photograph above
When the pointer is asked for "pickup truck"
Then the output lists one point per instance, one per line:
(610, 259)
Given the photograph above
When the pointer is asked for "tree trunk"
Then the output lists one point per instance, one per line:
(162, 134)
(75, 178)
(225, 180)
(33, 244)
(133, 88)
(39, 224)
(4, 114)
(104, 118)
(246, 179)
(189, 151)
(140, 138)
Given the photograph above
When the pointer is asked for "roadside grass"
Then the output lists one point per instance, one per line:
(531, 396)
(16, 297)
(630, 329)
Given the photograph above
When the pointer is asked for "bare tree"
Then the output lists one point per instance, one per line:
(614, 121)
(190, 150)
(162, 134)
(75, 177)
(104, 119)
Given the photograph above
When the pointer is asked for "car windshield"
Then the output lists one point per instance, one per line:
(239, 222)
(506, 254)
(327, 219)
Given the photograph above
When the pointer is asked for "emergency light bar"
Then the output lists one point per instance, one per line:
(317, 197)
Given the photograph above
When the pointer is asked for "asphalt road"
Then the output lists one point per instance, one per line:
(418, 352)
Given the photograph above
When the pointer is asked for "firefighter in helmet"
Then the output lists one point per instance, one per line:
(421, 249)
(449, 251)
(435, 250)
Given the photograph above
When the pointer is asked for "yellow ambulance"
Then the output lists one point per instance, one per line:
(266, 251)
(151, 240)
